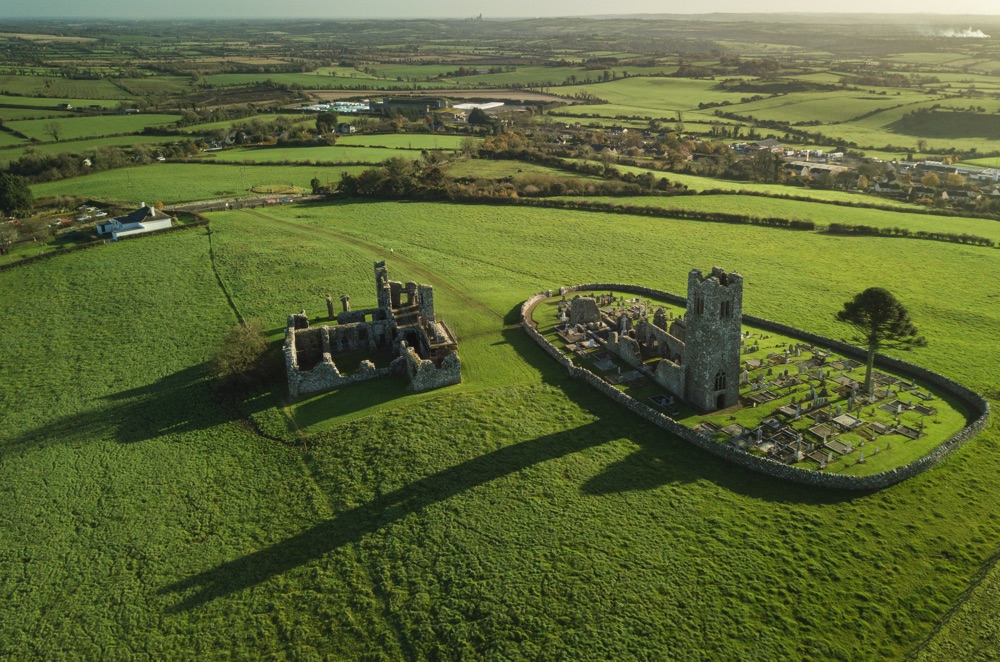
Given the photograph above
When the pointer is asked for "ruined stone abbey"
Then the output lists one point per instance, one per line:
(699, 353)
(402, 334)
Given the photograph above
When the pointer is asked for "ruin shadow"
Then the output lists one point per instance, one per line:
(353, 524)
(661, 457)
(182, 402)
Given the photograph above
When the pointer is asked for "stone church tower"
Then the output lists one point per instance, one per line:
(712, 339)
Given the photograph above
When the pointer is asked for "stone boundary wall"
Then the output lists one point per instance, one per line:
(976, 403)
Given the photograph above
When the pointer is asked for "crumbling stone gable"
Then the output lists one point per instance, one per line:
(657, 341)
(626, 348)
(424, 375)
(584, 310)
(670, 376)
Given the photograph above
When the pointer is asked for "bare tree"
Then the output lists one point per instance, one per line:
(54, 129)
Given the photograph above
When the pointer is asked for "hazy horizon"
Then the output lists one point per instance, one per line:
(442, 9)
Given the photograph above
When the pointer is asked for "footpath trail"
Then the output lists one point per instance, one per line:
(416, 267)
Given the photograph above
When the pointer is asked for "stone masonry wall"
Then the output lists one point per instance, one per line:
(978, 405)
(424, 375)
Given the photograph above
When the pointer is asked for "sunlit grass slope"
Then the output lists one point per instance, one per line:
(516, 516)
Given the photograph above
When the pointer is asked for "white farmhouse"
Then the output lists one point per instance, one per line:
(144, 219)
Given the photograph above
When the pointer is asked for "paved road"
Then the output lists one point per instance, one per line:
(241, 203)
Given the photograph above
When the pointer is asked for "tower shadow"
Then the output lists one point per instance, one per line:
(354, 524)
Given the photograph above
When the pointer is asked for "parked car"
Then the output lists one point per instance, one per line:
(82, 219)
(100, 214)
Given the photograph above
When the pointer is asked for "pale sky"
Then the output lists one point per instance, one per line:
(334, 9)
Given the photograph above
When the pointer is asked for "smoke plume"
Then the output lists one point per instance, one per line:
(967, 33)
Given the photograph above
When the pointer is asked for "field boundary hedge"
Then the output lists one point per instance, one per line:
(736, 219)
(976, 403)
(201, 222)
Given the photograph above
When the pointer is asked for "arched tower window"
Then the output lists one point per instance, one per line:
(725, 309)
(720, 380)
(699, 305)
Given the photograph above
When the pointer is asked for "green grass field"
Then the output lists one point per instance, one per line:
(657, 97)
(52, 86)
(82, 146)
(331, 153)
(34, 113)
(90, 127)
(8, 140)
(306, 80)
(404, 141)
(180, 182)
(16, 99)
(822, 214)
(515, 515)
(489, 169)
(226, 124)
(698, 183)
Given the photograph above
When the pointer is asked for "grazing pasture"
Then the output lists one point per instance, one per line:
(83, 146)
(267, 117)
(54, 102)
(657, 97)
(330, 153)
(53, 86)
(517, 512)
(90, 127)
(822, 214)
(519, 515)
(427, 141)
(181, 182)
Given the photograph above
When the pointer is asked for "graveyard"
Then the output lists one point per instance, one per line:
(799, 403)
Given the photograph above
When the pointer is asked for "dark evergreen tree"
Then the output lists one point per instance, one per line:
(879, 321)
(15, 195)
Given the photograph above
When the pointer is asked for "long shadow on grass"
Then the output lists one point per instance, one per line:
(354, 524)
(176, 404)
(661, 458)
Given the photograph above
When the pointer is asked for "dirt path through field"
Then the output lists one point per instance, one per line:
(415, 267)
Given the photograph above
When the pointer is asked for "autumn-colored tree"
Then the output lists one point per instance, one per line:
(931, 180)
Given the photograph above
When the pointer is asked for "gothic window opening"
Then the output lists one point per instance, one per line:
(699, 305)
(720, 380)
(724, 308)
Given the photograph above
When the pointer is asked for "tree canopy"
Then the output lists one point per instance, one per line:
(15, 195)
(880, 321)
